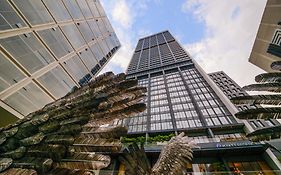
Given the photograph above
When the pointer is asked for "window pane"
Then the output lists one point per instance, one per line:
(88, 58)
(56, 41)
(9, 18)
(107, 24)
(75, 67)
(9, 74)
(58, 10)
(86, 31)
(100, 8)
(109, 42)
(101, 26)
(94, 26)
(97, 52)
(73, 35)
(57, 82)
(104, 47)
(27, 50)
(28, 99)
(73, 8)
(34, 11)
(93, 8)
(85, 8)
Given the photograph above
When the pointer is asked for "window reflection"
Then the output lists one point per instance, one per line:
(103, 47)
(85, 8)
(97, 51)
(9, 18)
(9, 74)
(28, 51)
(57, 82)
(76, 68)
(28, 99)
(58, 10)
(100, 8)
(73, 9)
(34, 11)
(93, 8)
(88, 58)
(86, 31)
(102, 26)
(94, 26)
(56, 41)
(73, 34)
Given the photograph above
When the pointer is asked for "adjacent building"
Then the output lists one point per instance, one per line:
(267, 46)
(181, 97)
(48, 47)
(231, 89)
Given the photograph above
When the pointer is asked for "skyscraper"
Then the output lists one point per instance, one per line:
(48, 47)
(231, 89)
(267, 46)
(181, 97)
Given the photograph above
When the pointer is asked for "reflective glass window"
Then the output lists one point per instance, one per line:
(94, 26)
(74, 36)
(34, 11)
(88, 58)
(93, 8)
(85, 8)
(73, 9)
(107, 24)
(109, 42)
(8, 17)
(9, 74)
(104, 46)
(28, 99)
(56, 41)
(58, 10)
(100, 8)
(101, 26)
(28, 51)
(86, 31)
(57, 82)
(76, 68)
(97, 52)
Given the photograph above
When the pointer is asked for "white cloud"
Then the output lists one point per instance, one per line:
(231, 28)
(122, 15)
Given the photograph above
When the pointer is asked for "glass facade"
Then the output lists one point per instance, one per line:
(179, 98)
(52, 46)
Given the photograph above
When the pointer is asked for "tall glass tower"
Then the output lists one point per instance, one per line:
(181, 97)
(49, 46)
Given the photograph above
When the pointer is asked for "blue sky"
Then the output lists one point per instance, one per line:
(219, 34)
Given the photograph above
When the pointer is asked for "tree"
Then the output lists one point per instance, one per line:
(270, 82)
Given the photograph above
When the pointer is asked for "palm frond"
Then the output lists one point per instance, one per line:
(271, 87)
(265, 131)
(257, 99)
(276, 65)
(260, 113)
(5, 163)
(174, 156)
(273, 77)
(135, 160)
